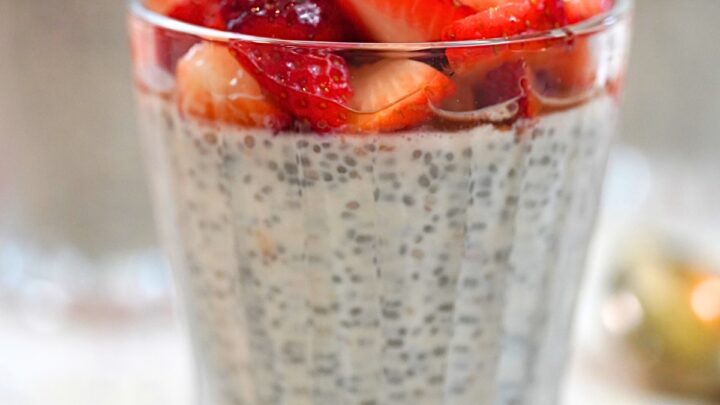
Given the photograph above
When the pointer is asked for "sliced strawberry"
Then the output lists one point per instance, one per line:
(311, 84)
(211, 85)
(564, 69)
(580, 10)
(510, 81)
(395, 94)
(560, 68)
(481, 5)
(508, 19)
(172, 45)
(404, 20)
(205, 13)
(316, 20)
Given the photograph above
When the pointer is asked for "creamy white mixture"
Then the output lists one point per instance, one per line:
(426, 269)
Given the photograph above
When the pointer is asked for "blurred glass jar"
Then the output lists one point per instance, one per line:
(662, 307)
(74, 215)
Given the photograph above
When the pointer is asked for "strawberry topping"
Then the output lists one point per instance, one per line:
(560, 68)
(311, 84)
(564, 69)
(322, 91)
(287, 19)
(509, 19)
(481, 5)
(199, 12)
(404, 20)
(171, 46)
(395, 94)
(510, 81)
(212, 86)
(580, 10)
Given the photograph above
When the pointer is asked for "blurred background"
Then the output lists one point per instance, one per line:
(85, 299)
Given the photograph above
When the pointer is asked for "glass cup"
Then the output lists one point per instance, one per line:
(428, 251)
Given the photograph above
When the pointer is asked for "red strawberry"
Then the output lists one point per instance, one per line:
(287, 19)
(579, 10)
(563, 69)
(211, 85)
(395, 94)
(508, 19)
(481, 5)
(312, 84)
(199, 12)
(512, 80)
(404, 20)
(171, 45)
(205, 13)
(568, 69)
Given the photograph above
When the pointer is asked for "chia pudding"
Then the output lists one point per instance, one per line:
(382, 245)
(433, 268)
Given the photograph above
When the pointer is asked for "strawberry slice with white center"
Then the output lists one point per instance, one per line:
(391, 95)
(213, 86)
(404, 20)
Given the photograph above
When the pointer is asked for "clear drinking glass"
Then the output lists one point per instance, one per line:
(435, 264)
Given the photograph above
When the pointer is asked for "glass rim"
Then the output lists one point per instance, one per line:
(620, 10)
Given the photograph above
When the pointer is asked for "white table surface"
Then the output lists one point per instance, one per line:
(151, 366)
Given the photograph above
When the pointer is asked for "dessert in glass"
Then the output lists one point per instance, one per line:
(378, 202)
